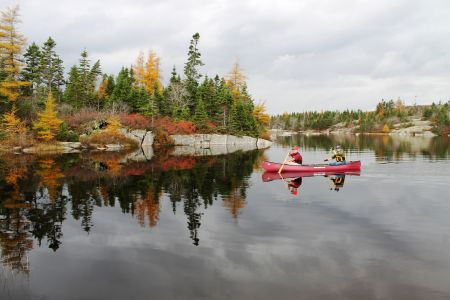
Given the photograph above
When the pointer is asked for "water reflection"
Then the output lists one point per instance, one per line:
(385, 147)
(294, 180)
(37, 193)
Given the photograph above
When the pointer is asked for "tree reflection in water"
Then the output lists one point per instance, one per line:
(37, 193)
(386, 147)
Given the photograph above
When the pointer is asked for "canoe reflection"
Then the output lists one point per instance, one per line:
(294, 180)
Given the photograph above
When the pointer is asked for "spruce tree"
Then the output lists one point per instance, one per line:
(52, 70)
(122, 88)
(200, 116)
(88, 78)
(31, 71)
(72, 94)
(191, 69)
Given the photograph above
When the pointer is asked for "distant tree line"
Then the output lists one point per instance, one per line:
(382, 118)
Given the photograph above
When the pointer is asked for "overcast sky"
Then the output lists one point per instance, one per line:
(298, 55)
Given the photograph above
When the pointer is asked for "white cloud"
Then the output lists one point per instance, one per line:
(297, 54)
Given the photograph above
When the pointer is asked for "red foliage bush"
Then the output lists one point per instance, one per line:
(135, 121)
(175, 127)
(178, 163)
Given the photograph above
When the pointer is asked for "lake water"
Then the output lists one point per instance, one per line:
(93, 226)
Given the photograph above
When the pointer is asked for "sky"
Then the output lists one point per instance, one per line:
(298, 55)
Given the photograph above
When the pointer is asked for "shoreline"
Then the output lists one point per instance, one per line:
(144, 141)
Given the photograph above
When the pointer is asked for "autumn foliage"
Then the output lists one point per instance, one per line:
(147, 73)
(14, 128)
(175, 127)
(135, 121)
(48, 122)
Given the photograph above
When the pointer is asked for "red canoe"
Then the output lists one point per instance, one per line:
(270, 176)
(349, 166)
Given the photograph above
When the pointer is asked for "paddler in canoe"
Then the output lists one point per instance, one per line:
(296, 157)
(337, 154)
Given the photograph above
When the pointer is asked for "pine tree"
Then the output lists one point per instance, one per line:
(48, 123)
(200, 116)
(11, 43)
(123, 87)
(51, 68)
(88, 78)
(111, 84)
(242, 120)
(31, 71)
(224, 100)
(72, 94)
(191, 69)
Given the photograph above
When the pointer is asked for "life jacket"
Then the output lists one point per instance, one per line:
(338, 180)
(339, 156)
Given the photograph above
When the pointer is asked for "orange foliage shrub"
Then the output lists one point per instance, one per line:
(135, 121)
(175, 127)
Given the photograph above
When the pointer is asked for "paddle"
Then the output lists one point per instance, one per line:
(282, 165)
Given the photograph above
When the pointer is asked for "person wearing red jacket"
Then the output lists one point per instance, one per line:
(296, 156)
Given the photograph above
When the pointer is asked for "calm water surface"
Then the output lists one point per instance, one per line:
(95, 226)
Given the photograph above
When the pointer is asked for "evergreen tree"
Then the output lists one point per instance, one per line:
(191, 69)
(72, 94)
(111, 84)
(242, 120)
(224, 100)
(80, 89)
(200, 116)
(31, 71)
(88, 79)
(161, 101)
(207, 92)
(51, 68)
(122, 87)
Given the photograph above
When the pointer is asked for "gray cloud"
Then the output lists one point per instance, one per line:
(298, 55)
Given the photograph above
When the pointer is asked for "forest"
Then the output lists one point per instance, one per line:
(41, 103)
(381, 120)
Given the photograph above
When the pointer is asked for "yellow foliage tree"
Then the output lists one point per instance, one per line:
(48, 123)
(236, 80)
(260, 114)
(113, 126)
(11, 44)
(102, 89)
(386, 128)
(147, 73)
(139, 70)
(14, 128)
